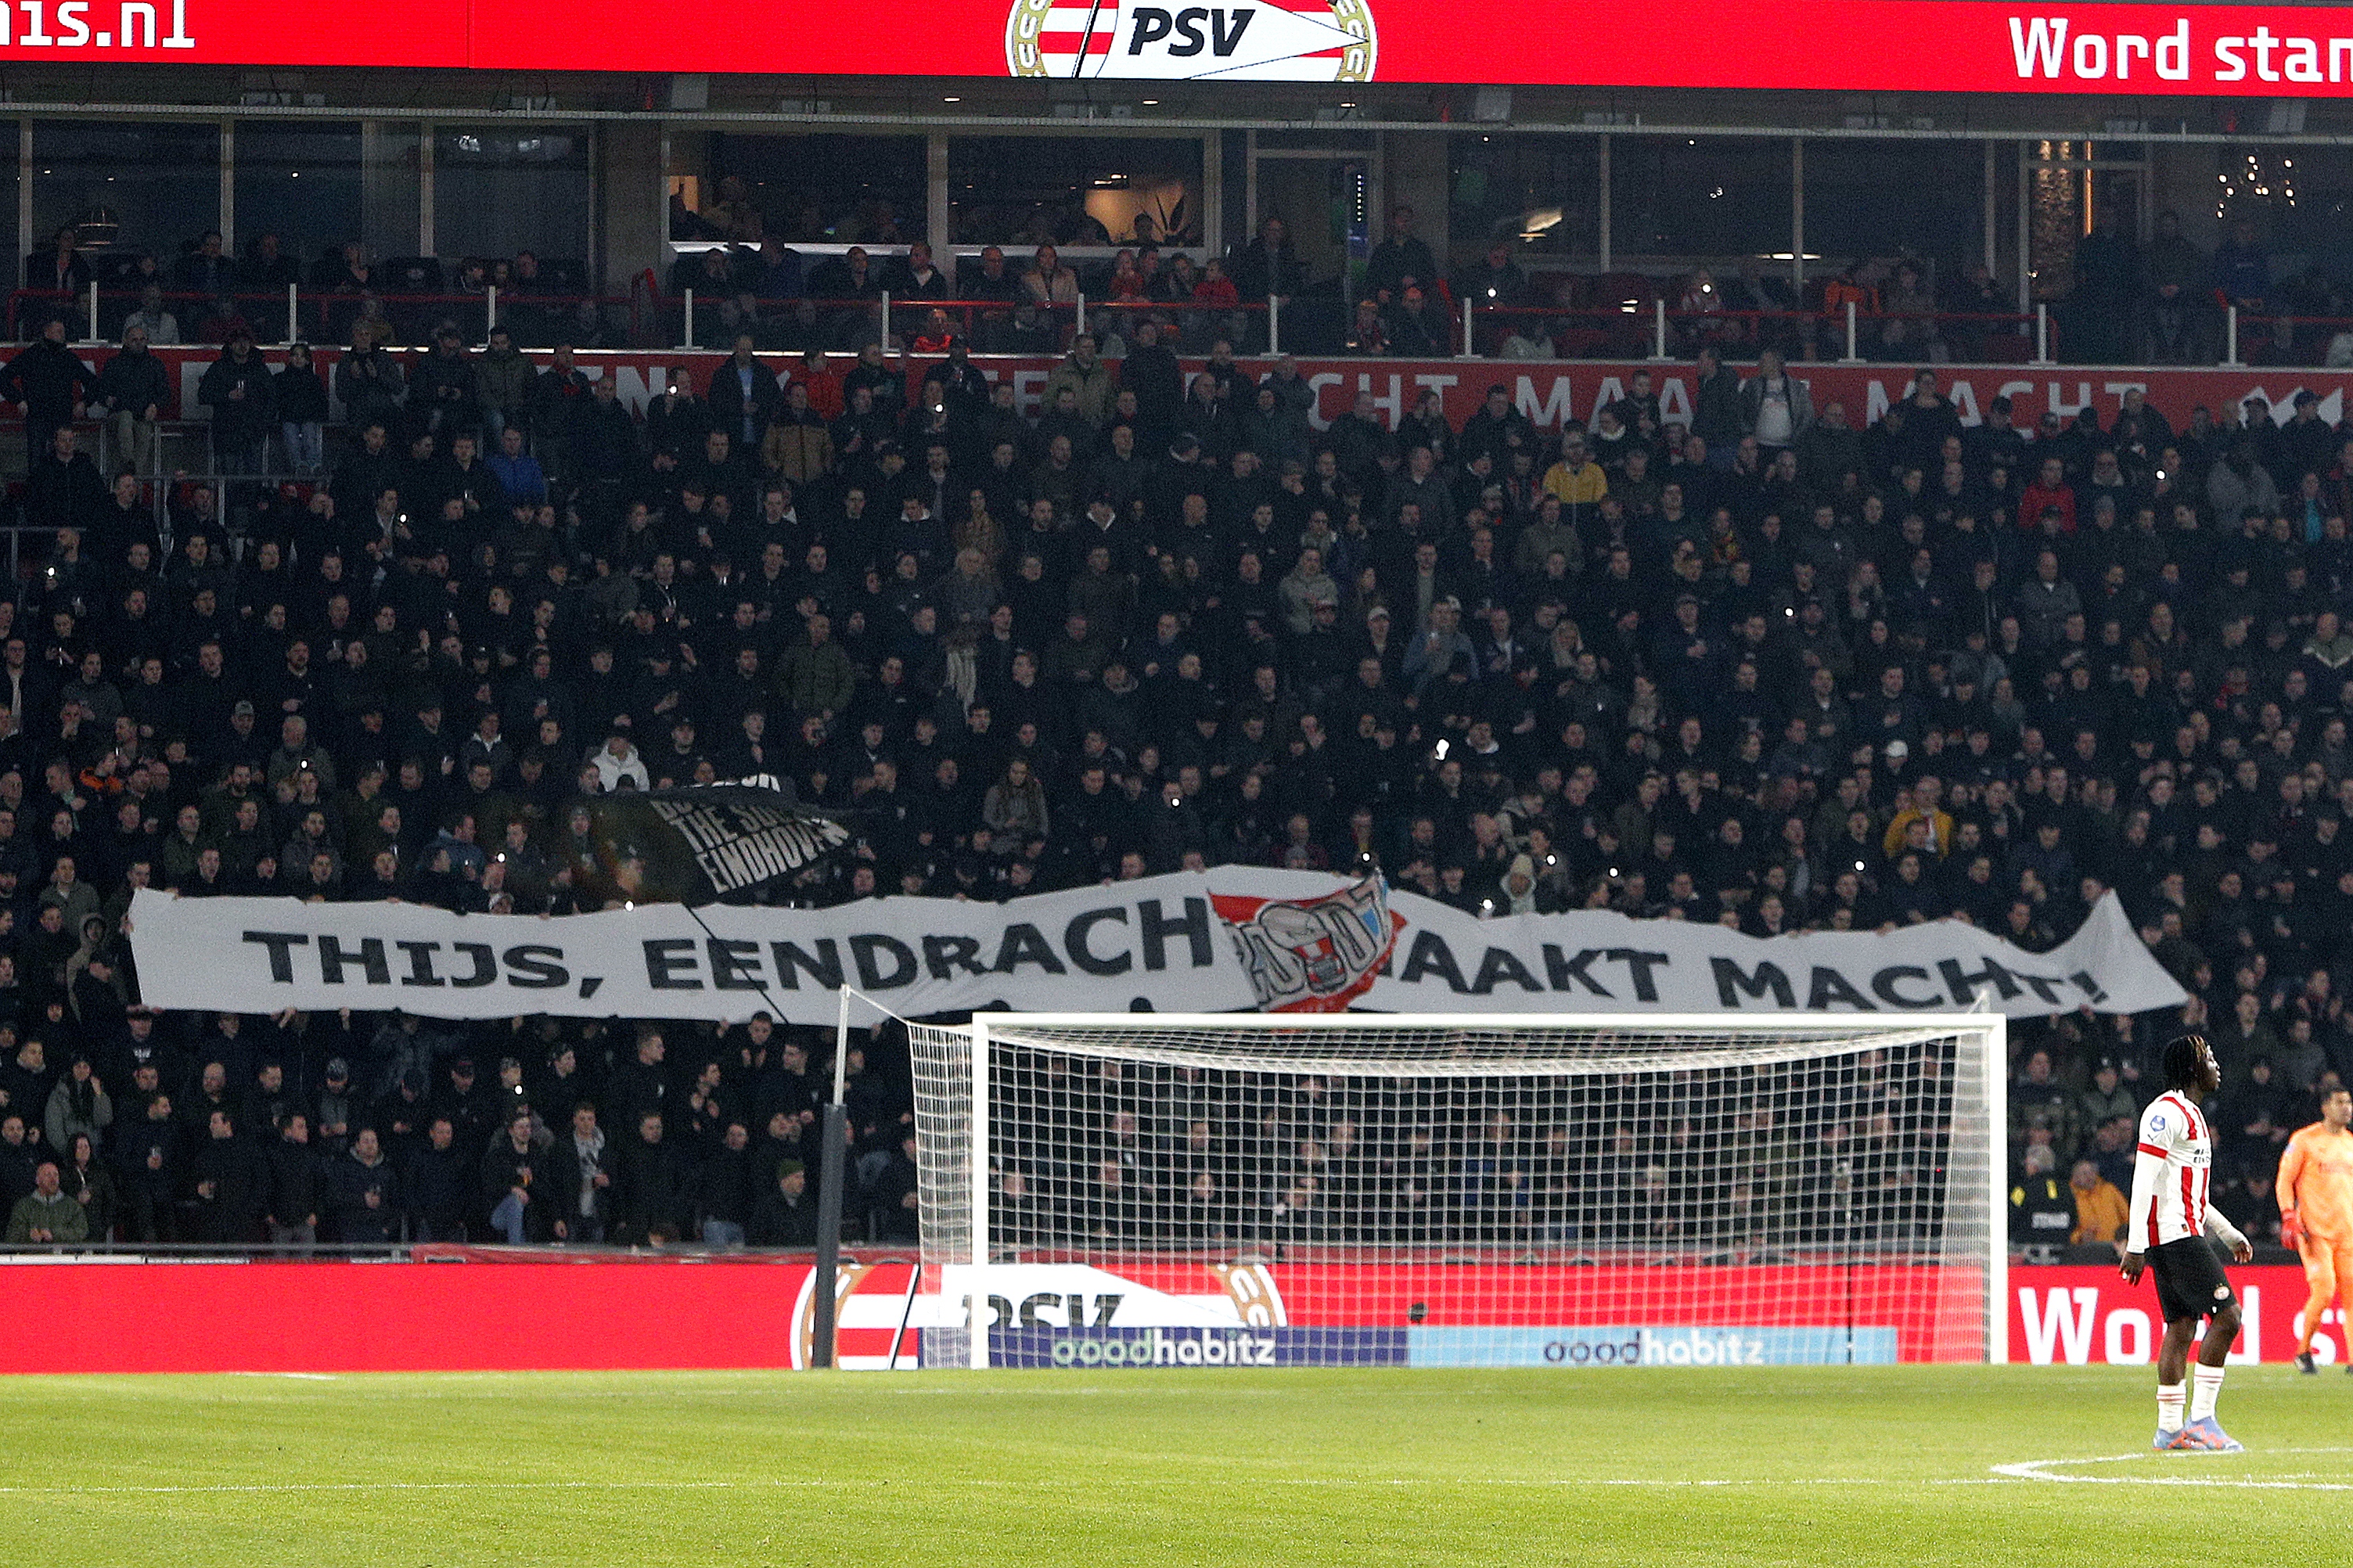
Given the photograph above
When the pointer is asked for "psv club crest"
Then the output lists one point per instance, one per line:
(1313, 955)
(1170, 40)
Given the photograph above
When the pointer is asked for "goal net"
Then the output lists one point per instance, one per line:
(1356, 1189)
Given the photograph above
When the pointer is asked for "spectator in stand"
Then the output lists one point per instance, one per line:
(1269, 269)
(133, 391)
(158, 326)
(363, 1192)
(1498, 280)
(916, 278)
(1775, 406)
(47, 1214)
(299, 396)
(503, 380)
(1411, 328)
(2179, 300)
(2101, 1210)
(51, 384)
(206, 269)
(59, 270)
(786, 1216)
(2242, 270)
(1401, 257)
(267, 265)
(2042, 1213)
(743, 396)
(63, 489)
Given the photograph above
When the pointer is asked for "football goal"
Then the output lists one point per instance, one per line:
(1108, 1190)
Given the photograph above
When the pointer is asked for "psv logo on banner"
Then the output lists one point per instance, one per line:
(1313, 955)
(1172, 41)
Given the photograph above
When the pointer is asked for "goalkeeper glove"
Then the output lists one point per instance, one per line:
(2291, 1229)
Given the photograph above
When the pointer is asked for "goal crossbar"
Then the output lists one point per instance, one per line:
(1473, 1046)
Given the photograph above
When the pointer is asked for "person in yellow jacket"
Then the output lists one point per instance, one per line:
(1576, 478)
(2316, 1199)
(2101, 1210)
(1920, 805)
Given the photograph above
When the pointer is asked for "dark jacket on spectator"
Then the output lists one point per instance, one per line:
(297, 1185)
(49, 379)
(352, 1183)
(534, 1170)
(131, 383)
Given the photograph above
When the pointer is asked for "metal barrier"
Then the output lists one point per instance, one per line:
(1642, 327)
(317, 315)
(926, 325)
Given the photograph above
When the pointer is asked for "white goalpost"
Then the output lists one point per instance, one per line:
(1352, 1189)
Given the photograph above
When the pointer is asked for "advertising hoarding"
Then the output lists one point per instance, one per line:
(1547, 392)
(1909, 45)
(555, 1312)
(2088, 1317)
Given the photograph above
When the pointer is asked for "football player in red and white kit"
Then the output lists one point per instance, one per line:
(2170, 1222)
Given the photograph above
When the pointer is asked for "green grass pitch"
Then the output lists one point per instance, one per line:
(1078, 1469)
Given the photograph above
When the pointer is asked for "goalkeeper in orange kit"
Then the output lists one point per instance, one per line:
(2316, 1199)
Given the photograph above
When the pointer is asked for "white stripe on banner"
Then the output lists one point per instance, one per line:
(1163, 939)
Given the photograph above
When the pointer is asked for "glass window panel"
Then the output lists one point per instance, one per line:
(497, 190)
(392, 201)
(1880, 198)
(2300, 200)
(134, 188)
(1542, 193)
(1072, 190)
(843, 190)
(301, 181)
(1706, 198)
(21, 242)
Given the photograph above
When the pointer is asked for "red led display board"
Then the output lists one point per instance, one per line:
(1880, 46)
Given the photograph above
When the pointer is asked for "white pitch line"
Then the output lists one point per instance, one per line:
(766, 1484)
(2043, 1470)
(2027, 1470)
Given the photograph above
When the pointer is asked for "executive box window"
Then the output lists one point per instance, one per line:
(498, 191)
(1873, 198)
(1542, 193)
(1073, 191)
(1699, 199)
(806, 190)
(129, 188)
(301, 180)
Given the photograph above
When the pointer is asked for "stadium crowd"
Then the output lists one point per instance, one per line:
(1771, 667)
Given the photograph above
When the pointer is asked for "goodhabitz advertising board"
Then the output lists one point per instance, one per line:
(1095, 1349)
(1157, 1310)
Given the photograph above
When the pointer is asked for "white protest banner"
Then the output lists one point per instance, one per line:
(1182, 943)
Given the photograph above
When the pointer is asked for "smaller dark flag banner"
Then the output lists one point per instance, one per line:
(708, 844)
